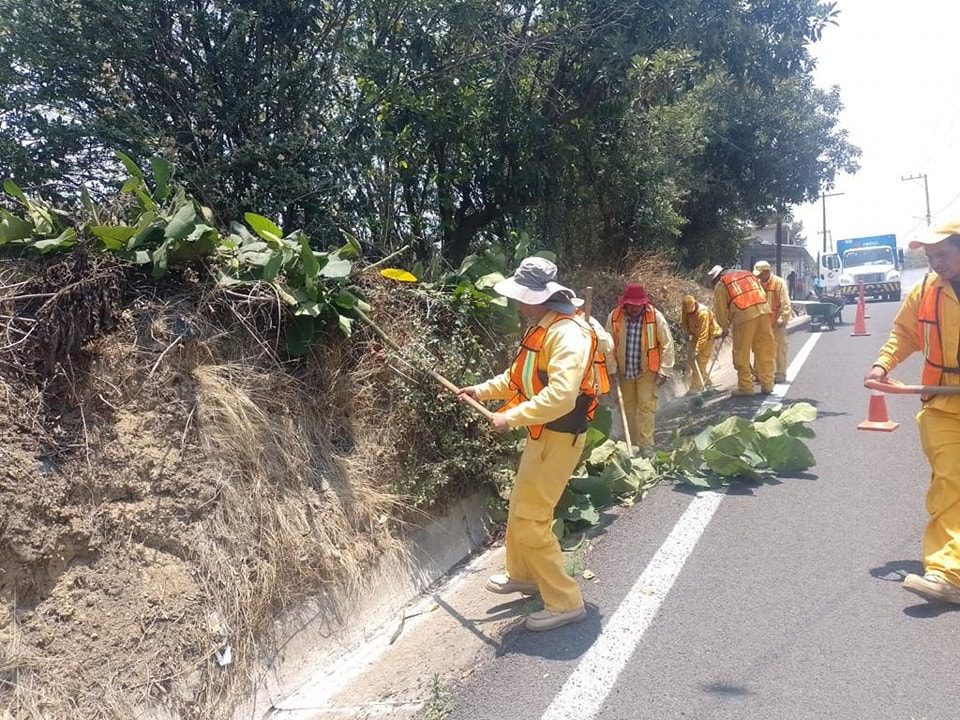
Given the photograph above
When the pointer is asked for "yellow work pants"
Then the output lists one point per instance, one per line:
(702, 361)
(754, 335)
(640, 405)
(780, 338)
(940, 436)
(533, 552)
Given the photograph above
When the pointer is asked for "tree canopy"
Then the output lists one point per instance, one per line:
(597, 127)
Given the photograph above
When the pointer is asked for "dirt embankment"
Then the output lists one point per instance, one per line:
(167, 484)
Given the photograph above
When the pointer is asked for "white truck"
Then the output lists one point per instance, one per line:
(874, 262)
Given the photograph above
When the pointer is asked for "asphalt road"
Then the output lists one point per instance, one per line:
(789, 605)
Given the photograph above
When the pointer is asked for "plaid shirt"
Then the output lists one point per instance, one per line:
(634, 348)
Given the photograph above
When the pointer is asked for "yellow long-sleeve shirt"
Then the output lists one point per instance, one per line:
(564, 357)
(701, 327)
(905, 338)
(668, 352)
(776, 287)
(728, 314)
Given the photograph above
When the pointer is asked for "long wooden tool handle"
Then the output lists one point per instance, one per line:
(898, 389)
(716, 356)
(696, 367)
(472, 402)
(623, 417)
(588, 302)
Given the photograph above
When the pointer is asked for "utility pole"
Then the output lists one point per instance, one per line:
(779, 239)
(823, 198)
(926, 190)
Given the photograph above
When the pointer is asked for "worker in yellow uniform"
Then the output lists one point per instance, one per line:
(642, 360)
(550, 390)
(778, 298)
(740, 306)
(929, 322)
(702, 331)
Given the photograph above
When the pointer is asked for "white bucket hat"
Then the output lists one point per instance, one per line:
(534, 283)
(715, 272)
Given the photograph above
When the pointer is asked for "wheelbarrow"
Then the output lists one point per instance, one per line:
(823, 312)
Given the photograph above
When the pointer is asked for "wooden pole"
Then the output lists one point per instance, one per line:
(433, 374)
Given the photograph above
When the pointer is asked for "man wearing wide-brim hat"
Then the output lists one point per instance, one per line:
(778, 298)
(643, 359)
(549, 389)
(740, 306)
(928, 322)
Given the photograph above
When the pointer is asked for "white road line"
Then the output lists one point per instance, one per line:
(583, 694)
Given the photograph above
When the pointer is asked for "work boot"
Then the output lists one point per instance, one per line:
(932, 587)
(548, 619)
(766, 391)
(501, 584)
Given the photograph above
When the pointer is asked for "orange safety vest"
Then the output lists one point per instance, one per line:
(744, 289)
(649, 340)
(935, 356)
(602, 376)
(527, 380)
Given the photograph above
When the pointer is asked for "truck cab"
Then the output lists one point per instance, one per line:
(829, 269)
(875, 263)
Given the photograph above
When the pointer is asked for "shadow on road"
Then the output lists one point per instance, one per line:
(925, 611)
(566, 643)
(727, 689)
(897, 570)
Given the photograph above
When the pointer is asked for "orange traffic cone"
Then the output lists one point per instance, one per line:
(860, 324)
(877, 417)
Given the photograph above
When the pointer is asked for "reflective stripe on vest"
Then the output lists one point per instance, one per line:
(649, 339)
(527, 380)
(743, 289)
(930, 328)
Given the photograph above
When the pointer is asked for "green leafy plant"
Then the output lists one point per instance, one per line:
(41, 230)
(314, 285)
(607, 474)
(737, 448)
(164, 226)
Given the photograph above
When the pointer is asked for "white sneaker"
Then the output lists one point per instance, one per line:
(501, 584)
(932, 587)
(548, 619)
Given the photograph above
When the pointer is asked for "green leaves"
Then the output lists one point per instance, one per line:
(607, 473)
(41, 230)
(265, 228)
(738, 448)
(168, 227)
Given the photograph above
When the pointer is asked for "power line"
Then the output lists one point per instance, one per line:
(926, 190)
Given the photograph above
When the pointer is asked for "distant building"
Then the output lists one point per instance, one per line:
(762, 245)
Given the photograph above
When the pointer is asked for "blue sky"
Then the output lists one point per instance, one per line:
(898, 68)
